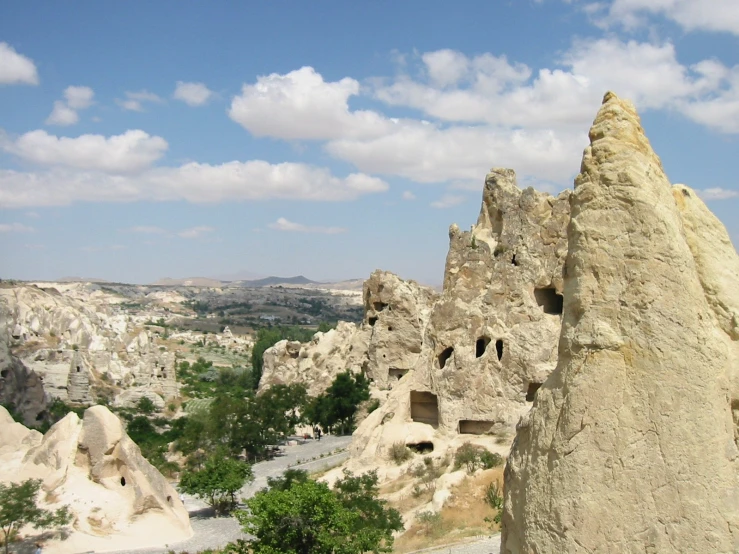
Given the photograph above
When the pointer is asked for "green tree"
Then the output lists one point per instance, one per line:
(299, 516)
(217, 482)
(339, 404)
(146, 406)
(19, 507)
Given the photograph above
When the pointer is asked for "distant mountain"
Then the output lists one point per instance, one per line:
(272, 280)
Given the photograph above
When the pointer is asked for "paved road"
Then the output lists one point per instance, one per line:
(216, 532)
(488, 545)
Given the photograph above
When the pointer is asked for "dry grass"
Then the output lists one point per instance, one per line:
(462, 517)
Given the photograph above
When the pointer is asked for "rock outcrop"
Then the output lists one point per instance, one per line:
(491, 337)
(630, 443)
(92, 466)
(385, 346)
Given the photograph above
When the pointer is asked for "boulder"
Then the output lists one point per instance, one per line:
(629, 446)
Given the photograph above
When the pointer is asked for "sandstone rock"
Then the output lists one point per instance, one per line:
(630, 445)
(94, 467)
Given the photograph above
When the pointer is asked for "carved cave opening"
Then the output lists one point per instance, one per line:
(397, 372)
(372, 321)
(445, 355)
(422, 447)
(78, 369)
(475, 427)
(481, 345)
(549, 300)
(379, 306)
(499, 349)
(531, 391)
(123, 481)
(514, 261)
(424, 408)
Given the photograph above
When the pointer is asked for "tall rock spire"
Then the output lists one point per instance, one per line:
(629, 446)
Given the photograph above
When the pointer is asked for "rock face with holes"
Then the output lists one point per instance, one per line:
(92, 466)
(20, 387)
(630, 445)
(73, 339)
(491, 337)
(386, 345)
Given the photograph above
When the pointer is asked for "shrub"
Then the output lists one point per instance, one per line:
(473, 456)
(494, 499)
(431, 521)
(399, 452)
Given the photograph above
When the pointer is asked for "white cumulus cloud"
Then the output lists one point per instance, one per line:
(132, 151)
(192, 94)
(408, 195)
(283, 224)
(62, 115)
(134, 101)
(301, 105)
(692, 15)
(15, 68)
(65, 111)
(192, 182)
(718, 193)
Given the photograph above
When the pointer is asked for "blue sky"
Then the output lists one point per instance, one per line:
(140, 140)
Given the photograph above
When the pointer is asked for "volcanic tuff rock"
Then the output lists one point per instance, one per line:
(95, 468)
(491, 337)
(630, 443)
(19, 386)
(69, 339)
(384, 351)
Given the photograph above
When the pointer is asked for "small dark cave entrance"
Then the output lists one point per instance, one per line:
(397, 372)
(531, 391)
(549, 300)
(379, 306)
(123, 481)
(475, 427)
(372, 320)
(424, 408)
(445, 355)
(422, 447)
(499, 349)
(480, 346)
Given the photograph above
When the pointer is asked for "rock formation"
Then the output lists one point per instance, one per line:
(92, 466)
(630, 443)
(491, 337)
(73, 340)
(385, 346)
(20, 387)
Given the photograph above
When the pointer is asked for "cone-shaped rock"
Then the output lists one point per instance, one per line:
(630, 444)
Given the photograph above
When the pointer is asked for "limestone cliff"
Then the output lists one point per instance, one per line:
(92, 466)
(630, 444)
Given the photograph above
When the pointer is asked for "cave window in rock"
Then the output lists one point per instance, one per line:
(41, 415)
(444, 356)
(169, 499)
(4, 373)
(397, 372)
(372, 321)
(78, 369)
(480, 346)
(123, 481)
(531, 391)
(425, 447)
(389, 328)
(549, 300)
(424, 408)
(514, 261)
(499, 348)
(379, 306)
(475, 427)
